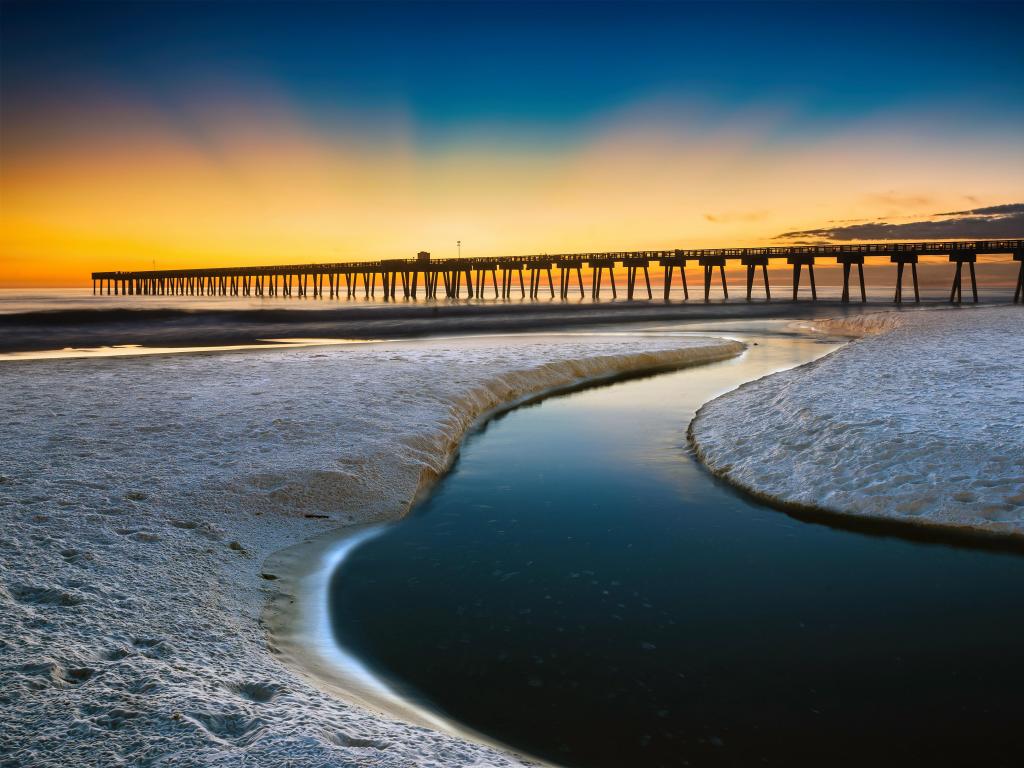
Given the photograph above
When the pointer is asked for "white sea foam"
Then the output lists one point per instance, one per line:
(920, 421)
(140, 497)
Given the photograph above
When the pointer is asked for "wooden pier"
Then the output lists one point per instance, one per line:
(475, 278)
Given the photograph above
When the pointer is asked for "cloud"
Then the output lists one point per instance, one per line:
(894, 199)
(992, 209)
(992, 222)
(810, 242)
(731, 217)
(104, 181)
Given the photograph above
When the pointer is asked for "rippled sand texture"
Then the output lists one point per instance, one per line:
(139, 497)
(921, 420)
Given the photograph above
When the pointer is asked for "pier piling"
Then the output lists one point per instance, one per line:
(901, 260)
(956, 293)
(1018, 294)
(752, 263)
(709, 263)
(290, 281)
(799, 262)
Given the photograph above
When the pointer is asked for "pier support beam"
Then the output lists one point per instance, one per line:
(798, 263)
(848, 261)
(670, 265)
(709, 264)
(536, 273)
(956, 293)
(752, 263)
(565, 281)
(900, 260)
(598, 268)
(1018, 295)
(633, 266)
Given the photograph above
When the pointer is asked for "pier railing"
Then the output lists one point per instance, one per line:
(444, 277)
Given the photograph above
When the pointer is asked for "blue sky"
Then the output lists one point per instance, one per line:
(551, 66)
(256, 132)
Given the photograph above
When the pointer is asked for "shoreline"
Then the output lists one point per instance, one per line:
(450, 532)
(296, 615)
(131, 584)
(47, 331)
(117, 647)
(966, 523)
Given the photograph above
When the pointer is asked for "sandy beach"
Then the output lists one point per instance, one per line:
(497, 384)
(947, 451)
(45, 328)
(140, 498)
(138, 527)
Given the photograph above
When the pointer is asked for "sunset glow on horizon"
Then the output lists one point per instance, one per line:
(112, 168)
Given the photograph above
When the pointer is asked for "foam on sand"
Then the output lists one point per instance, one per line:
(140, 498)
(919, 421)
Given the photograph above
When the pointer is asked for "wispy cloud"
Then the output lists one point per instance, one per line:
(897, 200)
(989, 211)
(246, 175)
(730, 217)
(995, 221)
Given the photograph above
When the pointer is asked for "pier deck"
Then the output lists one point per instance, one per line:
(454, 278)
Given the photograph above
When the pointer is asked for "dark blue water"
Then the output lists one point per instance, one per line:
(581, 589)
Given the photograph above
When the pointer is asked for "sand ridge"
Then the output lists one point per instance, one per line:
(919, 421)
(139, 498)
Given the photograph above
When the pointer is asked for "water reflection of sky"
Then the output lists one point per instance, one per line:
(581, 588)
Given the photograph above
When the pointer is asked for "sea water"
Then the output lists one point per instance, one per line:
(581, 589)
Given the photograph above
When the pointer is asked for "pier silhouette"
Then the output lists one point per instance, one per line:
(476, 277)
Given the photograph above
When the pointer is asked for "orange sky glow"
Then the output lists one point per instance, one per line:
(251, 181)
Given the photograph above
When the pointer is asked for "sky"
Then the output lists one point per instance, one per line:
(216, 134)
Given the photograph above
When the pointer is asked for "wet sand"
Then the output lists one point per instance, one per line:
(919, 423)
(54, 330)
(140, 496)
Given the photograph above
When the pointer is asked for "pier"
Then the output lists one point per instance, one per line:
(503, 276)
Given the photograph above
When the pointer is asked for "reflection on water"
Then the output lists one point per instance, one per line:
(15, 300)
(136, 350)
(581, 589)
